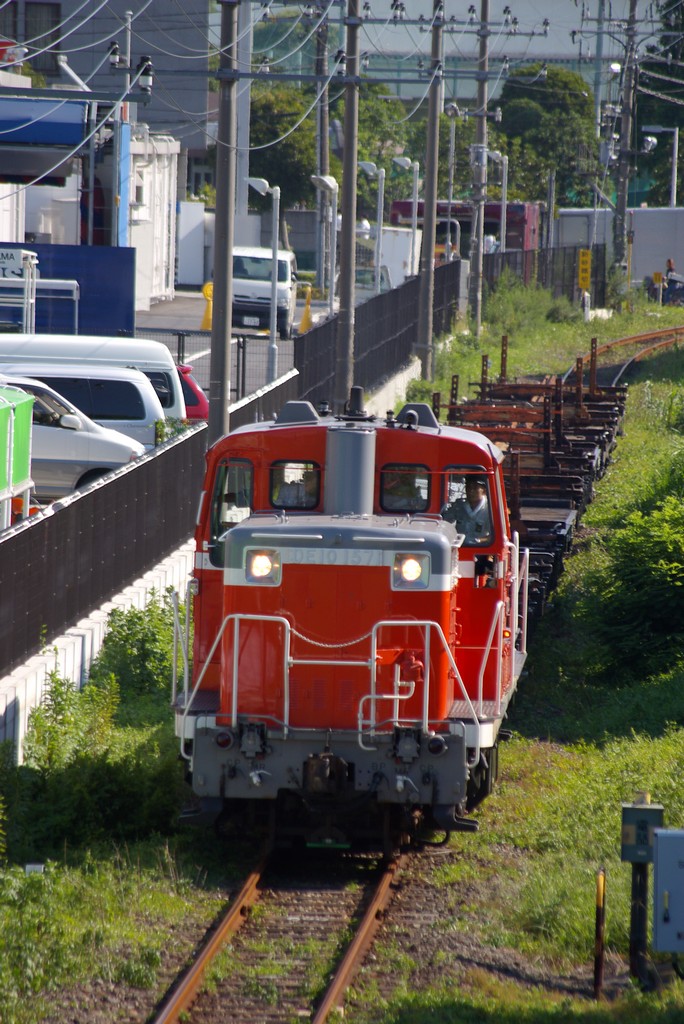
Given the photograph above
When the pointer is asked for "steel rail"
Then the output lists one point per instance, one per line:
(641, 354)
(181, 998)
(365, 932)
(668, 336)
(635, 339)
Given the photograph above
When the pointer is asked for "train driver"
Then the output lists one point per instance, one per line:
(470, 513)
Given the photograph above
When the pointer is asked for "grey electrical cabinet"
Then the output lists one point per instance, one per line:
(668, 891)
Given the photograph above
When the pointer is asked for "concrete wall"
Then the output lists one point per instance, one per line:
(72, 654)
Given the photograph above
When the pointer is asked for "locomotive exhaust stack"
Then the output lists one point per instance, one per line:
(349, 470)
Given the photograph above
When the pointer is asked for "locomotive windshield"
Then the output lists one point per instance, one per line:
(405, 488)
(295, 485)
(232, 501)
(467, 506)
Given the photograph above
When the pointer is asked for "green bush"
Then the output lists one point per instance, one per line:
(636, 600)
(89, 773)
(138, 650)
(562, 311)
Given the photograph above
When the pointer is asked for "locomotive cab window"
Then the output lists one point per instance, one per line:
(295, 485)
(405, 488)
(231, 502)
(467, 506)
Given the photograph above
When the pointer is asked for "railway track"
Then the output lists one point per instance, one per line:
(300, 944)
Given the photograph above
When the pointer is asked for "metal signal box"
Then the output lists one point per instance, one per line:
(668, 891)
(639, 821)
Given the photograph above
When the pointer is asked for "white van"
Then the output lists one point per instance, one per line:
(68, 450)
(252, 289)
(153, 358)
(113, 396)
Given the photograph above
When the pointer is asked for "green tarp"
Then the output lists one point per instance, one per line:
(16, 409)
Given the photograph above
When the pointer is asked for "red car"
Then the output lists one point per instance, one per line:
(196, 402)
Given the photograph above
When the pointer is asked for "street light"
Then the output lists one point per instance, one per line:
(261, 186)
(372, 171)
(452, 112)
(656, 129)
(498, 158)
(326, 183)
(406, 163)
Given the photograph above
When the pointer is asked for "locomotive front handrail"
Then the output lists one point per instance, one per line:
(428, 625)
(521, 577)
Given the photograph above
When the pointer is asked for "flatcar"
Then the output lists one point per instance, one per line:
(356, 643)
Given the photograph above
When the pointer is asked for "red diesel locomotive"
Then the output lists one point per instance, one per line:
(359, 632)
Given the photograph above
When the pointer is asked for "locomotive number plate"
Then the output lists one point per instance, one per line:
(331, 556)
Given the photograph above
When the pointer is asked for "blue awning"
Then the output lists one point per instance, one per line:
(42, 122)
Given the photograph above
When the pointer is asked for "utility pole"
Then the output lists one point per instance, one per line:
(427, 264)
(625, 157)
(322, 149)
(243, 101)
(598, 64)
(344, 348)
(479, 164)
(226, 148)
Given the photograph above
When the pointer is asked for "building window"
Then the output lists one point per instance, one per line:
(41, 33)
(8, 21)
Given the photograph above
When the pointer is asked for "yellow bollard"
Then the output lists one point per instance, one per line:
(208, 293)
(306, 322)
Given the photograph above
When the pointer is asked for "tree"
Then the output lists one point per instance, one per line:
(283, 140)
(382, 133)
(548, 113)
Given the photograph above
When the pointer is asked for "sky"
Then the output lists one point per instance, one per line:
(528, 43)
(564, 16)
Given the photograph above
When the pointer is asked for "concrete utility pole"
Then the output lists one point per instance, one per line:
(598, 64)
(425, 344)
(344, 348)
(479, 164)
(322, 150)
(625, 158)
(226, 148)
(243, 101)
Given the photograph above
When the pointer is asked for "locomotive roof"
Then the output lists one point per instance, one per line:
(417, 417)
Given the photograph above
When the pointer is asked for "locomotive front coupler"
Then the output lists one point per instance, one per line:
(406, 745)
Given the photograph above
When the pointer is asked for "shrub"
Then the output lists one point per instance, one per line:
(138, 650)
(562, 311)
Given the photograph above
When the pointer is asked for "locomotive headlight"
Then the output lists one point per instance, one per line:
(410, 572)
(263, 567)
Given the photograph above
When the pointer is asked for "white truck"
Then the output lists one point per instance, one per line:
(252, 269)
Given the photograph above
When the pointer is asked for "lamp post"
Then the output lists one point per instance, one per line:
(406, 163)
(452, 112)
(656, 129)
(372, 171)
(261, 186)
(326, 183)
(499, 158)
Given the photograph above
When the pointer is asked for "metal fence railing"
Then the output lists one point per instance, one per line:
(59, 565)
(554, 269)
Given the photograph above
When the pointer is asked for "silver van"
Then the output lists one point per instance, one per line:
(252, 275)
(151, 357)
(115, 397)
(68, 450)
